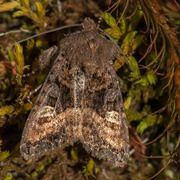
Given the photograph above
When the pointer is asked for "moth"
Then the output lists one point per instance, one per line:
(80, 100)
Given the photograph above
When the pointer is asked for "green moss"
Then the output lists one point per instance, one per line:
(74, 155)
(3, 154)
(6, 110)
(8, 177)
(88, 169)
(149, 121)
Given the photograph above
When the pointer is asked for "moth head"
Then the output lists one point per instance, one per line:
(88, 24)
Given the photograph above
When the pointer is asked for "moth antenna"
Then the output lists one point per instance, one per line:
(46, 32)
(27, 75)
(99, 20)
(119, 50)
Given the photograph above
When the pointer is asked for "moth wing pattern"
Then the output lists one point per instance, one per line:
(104, 126)
(42, 131)
(80, 100)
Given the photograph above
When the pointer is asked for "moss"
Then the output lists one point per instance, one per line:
(3, 154)
(88, 169)
(146, 83)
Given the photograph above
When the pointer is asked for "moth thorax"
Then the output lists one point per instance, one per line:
(93, 44)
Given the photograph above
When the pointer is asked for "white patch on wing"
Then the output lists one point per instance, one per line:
(113, 117)
(46, 111)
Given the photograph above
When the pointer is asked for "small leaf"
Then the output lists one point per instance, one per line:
(41, 168)
(8, 177)
(133, 115)
(119, 62)
(88, 169)
(25, 26)
(34, 17)
(150, 57)
(123, 25)
(152, 78)
(148, 79)
(40, 10)
(25, 3)
(127, 103)
(28, 106)
(74, 155)
(26, 67)
(114, 31)
(18, 14)
(137, 41)
(30, 44)
(133, 75)
(39, 43)
(142, 126)
(23, 11)
(45, 2)
(128, 41)
(34, 174)
(149, 121)
(10, 54)
(147, 109)
(143, 81)
(135, 19)
(133, 62)
(49, 161)
(8, 6)
(4, 155)
(6, 110)
(19, 58)
(115, 34)
(109, 19)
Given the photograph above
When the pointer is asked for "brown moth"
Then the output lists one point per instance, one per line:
(80, 101)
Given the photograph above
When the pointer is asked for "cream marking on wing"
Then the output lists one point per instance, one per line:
(113, 117)
(46, 111)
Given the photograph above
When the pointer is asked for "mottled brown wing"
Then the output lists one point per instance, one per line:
(51, 121)
(104, 125)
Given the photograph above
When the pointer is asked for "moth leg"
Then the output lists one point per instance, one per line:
(47, 57)
(32, 92)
